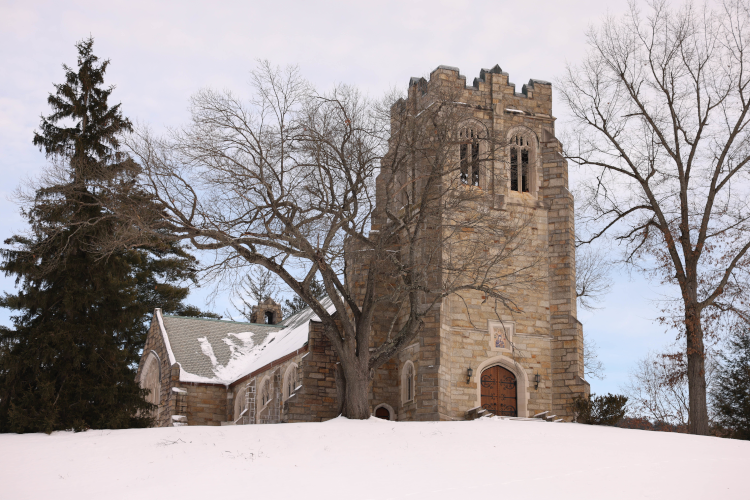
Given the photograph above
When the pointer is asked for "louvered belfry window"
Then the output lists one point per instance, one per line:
(469, 153)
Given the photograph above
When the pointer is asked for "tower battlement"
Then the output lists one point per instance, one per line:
(491, 89)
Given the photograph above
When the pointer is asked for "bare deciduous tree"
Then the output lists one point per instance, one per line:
(657, 388)
(592, 366)
(256, 286)
(288, 182)
(660, 107)
(593, 280)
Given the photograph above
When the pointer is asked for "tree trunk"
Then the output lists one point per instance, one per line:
(696, 374)
(356, 404)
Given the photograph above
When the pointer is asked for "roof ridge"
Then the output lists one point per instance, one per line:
(279, 325)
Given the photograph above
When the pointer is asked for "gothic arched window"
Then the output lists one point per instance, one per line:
(151, 378)
(265, 392)
(291, 380)
(240, 403)
(407, 382)
(520, 158)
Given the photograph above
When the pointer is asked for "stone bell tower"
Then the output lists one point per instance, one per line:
(267, 312)
(470, 356)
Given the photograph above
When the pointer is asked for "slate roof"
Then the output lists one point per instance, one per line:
(216, 351)
(184, 333)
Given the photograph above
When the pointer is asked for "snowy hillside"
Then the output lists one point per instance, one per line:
(375, 459)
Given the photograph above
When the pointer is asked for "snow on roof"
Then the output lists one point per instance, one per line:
(220, 352)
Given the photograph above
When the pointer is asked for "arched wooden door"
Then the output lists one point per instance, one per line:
(498, 387)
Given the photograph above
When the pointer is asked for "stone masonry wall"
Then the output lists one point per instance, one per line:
(567, 344)
(548, 338)
(276, 373)
(155, 343)
(317, 400)
(470, 348)
(423, 352)
(206, 403)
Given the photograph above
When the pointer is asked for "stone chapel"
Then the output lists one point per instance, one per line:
(275, 370)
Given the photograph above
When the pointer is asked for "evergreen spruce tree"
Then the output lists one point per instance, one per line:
(82, 310)
(732, 390)
(600, 410)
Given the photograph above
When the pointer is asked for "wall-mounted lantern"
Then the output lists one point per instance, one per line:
(469, 372)
(536, 381)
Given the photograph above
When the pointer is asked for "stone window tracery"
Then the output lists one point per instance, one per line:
(469, 155)
(520, 161)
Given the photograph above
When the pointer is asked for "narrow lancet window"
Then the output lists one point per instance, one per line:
(410, 383)
(513, 169)
(525, 170)
(464, 163)
(475, 164)
(407, 382)
(266, 393)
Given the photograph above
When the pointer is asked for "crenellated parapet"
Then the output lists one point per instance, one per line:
(492, 90)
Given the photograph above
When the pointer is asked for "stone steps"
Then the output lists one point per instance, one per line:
(479, 412)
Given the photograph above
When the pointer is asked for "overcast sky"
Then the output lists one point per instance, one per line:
(162, 52)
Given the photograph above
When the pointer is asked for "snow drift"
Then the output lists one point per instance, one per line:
(374, 459)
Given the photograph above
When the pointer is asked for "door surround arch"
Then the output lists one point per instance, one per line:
(522, 381)
(387, 407)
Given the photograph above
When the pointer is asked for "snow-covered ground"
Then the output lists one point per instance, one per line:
(374, 459)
